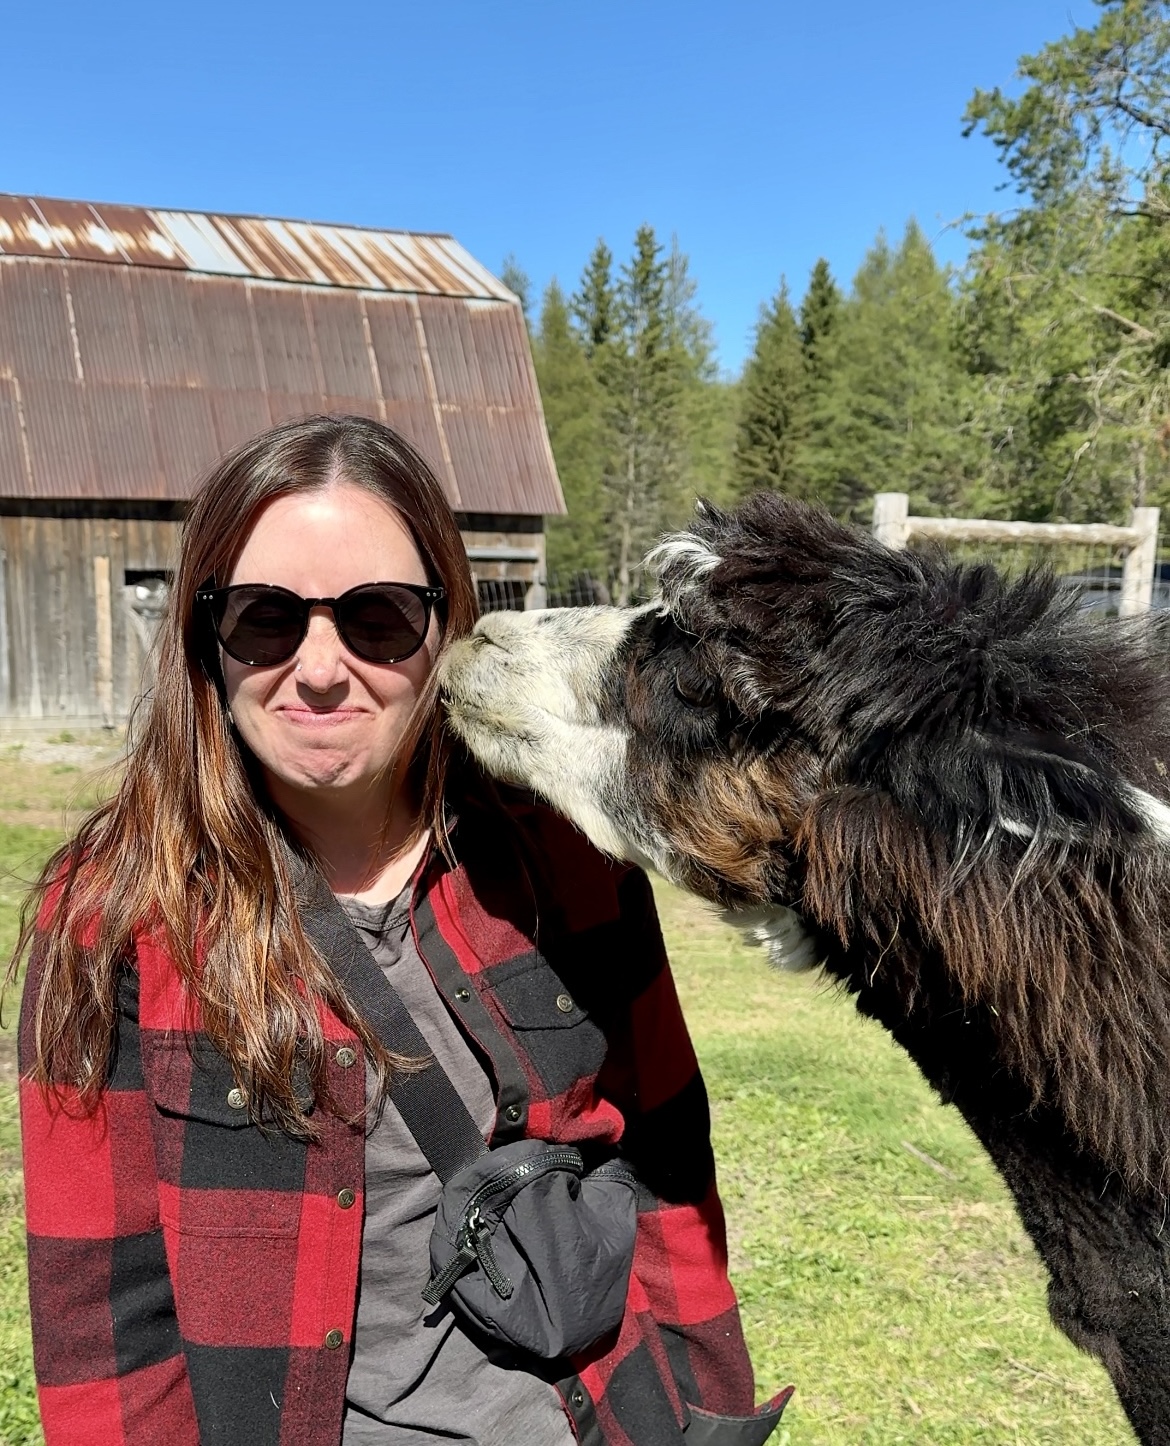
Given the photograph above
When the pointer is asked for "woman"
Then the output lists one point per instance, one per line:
(227, 1222)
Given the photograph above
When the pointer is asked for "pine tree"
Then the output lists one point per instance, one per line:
(707, 403)
(594, 305)
(516, 279)
(574, 413)
(689, 333)
(819, 313)
(773, 403)
(639, 420)
(641, 377)
(890, 415)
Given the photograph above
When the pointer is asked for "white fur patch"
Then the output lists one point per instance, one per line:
(782, 933)
(683, 550)
(523, 693)
(1153, 812)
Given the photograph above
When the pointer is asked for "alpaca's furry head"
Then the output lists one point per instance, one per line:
(940, 771)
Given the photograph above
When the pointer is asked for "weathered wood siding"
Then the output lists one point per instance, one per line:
(65, 651)
(72, 646)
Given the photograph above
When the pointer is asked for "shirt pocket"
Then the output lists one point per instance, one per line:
(560, 1039)
(219, 1173)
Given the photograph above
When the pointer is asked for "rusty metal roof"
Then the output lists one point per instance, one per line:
(256, 246)
(137, 347)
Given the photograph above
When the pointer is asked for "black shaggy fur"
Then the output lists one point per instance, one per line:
(949, 776)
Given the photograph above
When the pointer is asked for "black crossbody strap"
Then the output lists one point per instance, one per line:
(426, 1099)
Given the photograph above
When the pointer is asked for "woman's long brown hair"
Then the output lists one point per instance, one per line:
(188, 846)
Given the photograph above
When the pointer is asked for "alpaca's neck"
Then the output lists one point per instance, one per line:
(782, 932)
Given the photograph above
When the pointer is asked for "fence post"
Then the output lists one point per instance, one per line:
(537, 595)
(1137, 574)
(890, 513)
(105, 640)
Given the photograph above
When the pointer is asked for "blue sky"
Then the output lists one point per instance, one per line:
(762, 134)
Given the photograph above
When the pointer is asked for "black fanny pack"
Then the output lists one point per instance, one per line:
(528, 1245)
(532, 1249)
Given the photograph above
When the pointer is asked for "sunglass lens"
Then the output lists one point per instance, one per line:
(382, 624)
(260, 626)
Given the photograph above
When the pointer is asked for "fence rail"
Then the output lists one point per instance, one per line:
(1137, 544)
(1115, 568)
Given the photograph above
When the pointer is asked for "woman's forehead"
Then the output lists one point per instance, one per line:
(326, 540)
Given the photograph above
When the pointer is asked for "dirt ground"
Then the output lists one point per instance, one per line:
(50, 782)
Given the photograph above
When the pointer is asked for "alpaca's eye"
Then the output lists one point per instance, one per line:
(694, 688)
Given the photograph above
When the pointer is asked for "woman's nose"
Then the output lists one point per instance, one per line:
(320, 657)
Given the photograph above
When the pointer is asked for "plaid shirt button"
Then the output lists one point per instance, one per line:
(345, 1198)
(346, 1056)
(237, 1099)
(513, 1113)
(333, 1338)
(565, 1003)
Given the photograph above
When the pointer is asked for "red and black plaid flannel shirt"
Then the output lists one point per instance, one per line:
(193, 1278)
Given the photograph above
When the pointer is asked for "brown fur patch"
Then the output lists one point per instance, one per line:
(1064, 946)
(733, 823)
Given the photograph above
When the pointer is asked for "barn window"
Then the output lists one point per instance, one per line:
(147, 590)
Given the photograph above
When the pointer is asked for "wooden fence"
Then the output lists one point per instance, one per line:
(1137, 544)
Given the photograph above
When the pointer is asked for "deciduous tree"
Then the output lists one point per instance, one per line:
(1068, 297)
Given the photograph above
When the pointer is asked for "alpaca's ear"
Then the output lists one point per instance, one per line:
(970, 786)
(902, 838)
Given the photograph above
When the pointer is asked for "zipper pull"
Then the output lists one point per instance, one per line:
(458, 1266)
(482, 1243)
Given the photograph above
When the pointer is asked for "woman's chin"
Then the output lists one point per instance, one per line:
(322, 772)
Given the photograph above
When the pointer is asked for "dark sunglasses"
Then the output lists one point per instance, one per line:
(261, 625)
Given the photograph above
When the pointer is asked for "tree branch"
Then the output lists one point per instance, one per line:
(1140, 117)
(1143, 333)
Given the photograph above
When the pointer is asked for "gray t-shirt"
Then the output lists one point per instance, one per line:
(416, 1377)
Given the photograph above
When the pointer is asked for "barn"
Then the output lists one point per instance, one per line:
(138, 346)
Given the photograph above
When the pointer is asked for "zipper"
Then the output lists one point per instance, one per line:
(614, 1170)
(475, 1240)
(563, 1157)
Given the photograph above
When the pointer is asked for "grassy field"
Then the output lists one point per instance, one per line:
(43, 786)
(898, 1292)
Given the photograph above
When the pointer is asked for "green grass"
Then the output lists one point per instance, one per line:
(906, 1304)
(22, 851)
(19, 1422)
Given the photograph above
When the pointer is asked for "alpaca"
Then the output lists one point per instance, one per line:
(946, 788)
